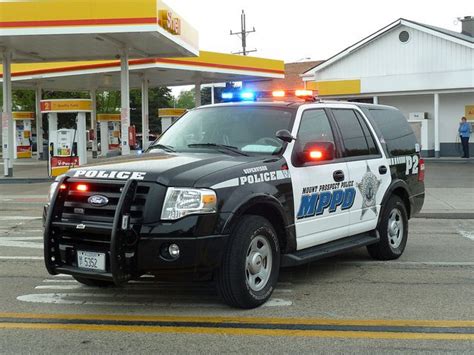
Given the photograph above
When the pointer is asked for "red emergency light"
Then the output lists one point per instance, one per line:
(315, 154)
(82, 187)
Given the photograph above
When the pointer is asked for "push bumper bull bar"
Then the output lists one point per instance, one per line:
(120, 270)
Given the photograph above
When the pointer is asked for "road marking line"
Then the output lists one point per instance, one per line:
(56, 280)
(25, 258)
(17, 218)
(61, 298)
(247, 320)
(466, 234)
(6, 242)
(21, 238)
(59, 287)
(216, 330)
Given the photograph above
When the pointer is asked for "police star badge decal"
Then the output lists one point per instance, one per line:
(368, 188)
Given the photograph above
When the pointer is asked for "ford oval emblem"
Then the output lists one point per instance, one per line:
(98, 200)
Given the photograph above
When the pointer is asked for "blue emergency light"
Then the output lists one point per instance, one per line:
(227, 96)
(245, 95)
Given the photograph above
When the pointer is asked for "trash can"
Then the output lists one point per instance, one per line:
(44, 155)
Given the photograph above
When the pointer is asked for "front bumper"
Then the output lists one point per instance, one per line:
(133, 248)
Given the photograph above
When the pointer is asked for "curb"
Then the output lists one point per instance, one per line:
(5, 181)
(445, 215)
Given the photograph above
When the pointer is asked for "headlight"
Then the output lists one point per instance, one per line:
(180, 202)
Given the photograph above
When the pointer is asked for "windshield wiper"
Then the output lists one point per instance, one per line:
(166, 148)
(220, 146)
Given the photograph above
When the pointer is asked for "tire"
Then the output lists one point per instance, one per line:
(93, 282)
(393, 231)
(242, 281)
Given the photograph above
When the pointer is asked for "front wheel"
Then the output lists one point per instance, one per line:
(393, 231)
(251, 264)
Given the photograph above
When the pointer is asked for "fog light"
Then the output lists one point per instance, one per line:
(173, 250)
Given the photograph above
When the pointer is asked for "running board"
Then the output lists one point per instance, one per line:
(329, 249)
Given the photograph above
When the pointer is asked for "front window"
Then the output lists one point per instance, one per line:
(246, 129)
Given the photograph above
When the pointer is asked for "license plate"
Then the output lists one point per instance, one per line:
(91, 260)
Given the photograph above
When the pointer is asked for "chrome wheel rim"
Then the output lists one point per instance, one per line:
(395, 228)
(258, 264)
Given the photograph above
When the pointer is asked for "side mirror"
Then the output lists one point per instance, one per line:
(317, 151)
(285, 135)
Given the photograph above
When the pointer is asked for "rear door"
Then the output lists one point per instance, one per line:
(368, 169)
(321, 201)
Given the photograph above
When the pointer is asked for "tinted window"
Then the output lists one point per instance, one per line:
(353, 136)
(395, 131)
(314, 127)
(368, 136)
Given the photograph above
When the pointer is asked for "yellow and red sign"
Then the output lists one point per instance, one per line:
(171, 112)
(469, 112)
(72, 105)
(25, 115)
(168, 22)
(60, 165)
(108, 117)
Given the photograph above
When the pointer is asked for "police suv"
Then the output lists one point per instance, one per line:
(237, 190)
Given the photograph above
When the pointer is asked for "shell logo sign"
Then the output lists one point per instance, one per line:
(169, 23)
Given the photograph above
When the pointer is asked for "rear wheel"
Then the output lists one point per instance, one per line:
(93, 282)
(251, 264)
(393, 231)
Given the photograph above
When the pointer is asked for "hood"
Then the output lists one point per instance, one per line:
(174, 169)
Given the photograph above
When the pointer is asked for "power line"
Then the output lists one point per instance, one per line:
(243, 35)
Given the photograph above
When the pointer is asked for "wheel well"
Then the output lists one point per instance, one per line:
(403, 194)
(274, 217)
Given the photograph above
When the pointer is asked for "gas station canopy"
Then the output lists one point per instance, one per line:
(208, 67)
(58, 30)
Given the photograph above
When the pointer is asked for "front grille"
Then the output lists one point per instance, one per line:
(77, 209)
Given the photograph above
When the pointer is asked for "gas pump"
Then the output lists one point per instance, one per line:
(109, 132)
(168, 116)
(22, 131)
(67, 147)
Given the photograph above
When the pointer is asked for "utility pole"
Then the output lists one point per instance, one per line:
(243, 35)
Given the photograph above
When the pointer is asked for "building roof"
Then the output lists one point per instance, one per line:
(291, 81)
(440, 32)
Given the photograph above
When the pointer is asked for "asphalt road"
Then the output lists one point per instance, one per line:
(348, 304)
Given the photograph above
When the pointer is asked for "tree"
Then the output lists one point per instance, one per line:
(186, 99)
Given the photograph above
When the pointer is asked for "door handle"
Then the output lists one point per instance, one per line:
(382, 169)
(338, 175)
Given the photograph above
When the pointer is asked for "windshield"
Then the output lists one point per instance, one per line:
(245, 129)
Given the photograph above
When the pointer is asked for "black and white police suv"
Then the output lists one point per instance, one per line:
(235, 191)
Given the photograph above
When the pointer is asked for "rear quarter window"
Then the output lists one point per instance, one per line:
(394, 130)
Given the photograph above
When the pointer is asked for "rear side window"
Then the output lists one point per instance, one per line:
(356, 137)
(396, 132)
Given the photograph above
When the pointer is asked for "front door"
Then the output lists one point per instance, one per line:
(321, 190)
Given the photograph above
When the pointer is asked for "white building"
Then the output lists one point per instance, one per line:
(425, 71)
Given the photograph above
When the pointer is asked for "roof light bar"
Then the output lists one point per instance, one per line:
(303, 93)
(278, 93)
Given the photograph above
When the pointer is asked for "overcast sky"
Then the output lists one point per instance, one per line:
(295, 29)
